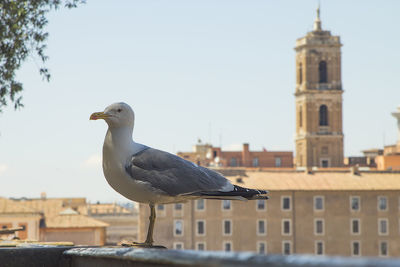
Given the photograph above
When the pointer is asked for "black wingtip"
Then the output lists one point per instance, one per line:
(246, 193)
(259, 197)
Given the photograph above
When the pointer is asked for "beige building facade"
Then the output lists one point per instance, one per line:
(14, 214)
(319, 133)
(332, 212)
(122, 222)
(51, 220)
(70, 226)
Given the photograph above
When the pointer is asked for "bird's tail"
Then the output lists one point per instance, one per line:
(238, 193)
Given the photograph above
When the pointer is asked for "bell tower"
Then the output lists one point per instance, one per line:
(319, 133)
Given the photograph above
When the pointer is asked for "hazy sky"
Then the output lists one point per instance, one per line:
(222, 71)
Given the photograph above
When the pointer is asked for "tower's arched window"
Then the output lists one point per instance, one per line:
(300, 73)
(323, 115)
(323, 72)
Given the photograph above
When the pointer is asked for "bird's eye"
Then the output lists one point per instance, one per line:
(119, 110)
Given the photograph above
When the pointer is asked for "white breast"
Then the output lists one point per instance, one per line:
(117, 152)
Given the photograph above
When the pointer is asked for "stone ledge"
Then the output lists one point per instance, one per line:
(155, 257)
(33, 256)
(118, 256)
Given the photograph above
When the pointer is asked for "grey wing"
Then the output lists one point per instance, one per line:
(174, 175)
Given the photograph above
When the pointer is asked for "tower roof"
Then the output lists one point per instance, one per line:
(318, 36)
(317, 21)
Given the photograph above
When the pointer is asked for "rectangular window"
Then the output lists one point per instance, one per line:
(355, 226)
(286, 248)
(161, 210)
(355, 203)
(178, 210)
(233, 162)
(227, 246)
(286, 229)
(319, 227)
(227, 225)
(319, 247)
(201, 246)
(318, 203)
(286, 203)
(226, 204)
(278, 162)
(261, 204)
(200, 204)
(201, 227)
(178, 245)
(383, 225)
(262, 247)
(261, 227)
(255, 162)
(382, 203)
(324, 163)
(178, 228)
(383, 249)
(355, 248)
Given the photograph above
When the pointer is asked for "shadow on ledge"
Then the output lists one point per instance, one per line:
(117, 256)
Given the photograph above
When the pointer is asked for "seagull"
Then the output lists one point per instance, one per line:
(147, 175)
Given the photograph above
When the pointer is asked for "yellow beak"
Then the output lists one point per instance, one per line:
(98, 115)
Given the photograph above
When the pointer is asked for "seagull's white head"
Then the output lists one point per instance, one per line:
(116, 115)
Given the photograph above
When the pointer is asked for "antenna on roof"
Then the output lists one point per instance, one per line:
(383, 138)
(209, 132)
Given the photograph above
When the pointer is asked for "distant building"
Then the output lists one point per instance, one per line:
(52, 219)
(319, 131)
(317, 208)
(53, 206)
(122, 222)
(71, 226)
(323, 212)
(207, 155)
(367, 161)
(356, 161)
(14, 214)
(390, 160)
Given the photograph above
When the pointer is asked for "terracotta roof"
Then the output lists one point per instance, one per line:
(317, 181)
(10, 206)
(73, 221)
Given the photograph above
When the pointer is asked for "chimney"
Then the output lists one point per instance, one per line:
(246, 155)
(245, 147)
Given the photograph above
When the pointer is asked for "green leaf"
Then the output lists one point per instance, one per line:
(21, 35)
